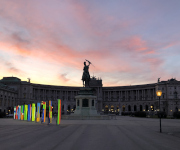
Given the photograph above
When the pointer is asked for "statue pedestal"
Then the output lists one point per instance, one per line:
(85, 106)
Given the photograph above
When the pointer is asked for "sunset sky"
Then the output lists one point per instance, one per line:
(129, 42)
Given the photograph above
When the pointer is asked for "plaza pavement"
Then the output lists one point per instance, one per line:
(124, 133)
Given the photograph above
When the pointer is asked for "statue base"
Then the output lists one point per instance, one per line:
(86, 106)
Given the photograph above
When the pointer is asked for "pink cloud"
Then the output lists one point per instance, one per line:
(63, 78)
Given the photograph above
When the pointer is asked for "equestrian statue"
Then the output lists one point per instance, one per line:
(86, 76)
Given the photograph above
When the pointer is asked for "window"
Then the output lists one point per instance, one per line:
(175, 95)
(140, 107)
(129, 108)
(92, 102)
(85, 103)
(123, 108)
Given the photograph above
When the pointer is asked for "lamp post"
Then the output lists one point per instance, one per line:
(159, 93)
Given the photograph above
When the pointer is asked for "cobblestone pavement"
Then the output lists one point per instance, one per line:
(122, 133)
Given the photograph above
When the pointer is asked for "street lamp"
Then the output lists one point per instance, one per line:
(159, 93)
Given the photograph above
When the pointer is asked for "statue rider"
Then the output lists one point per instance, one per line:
(86, 75)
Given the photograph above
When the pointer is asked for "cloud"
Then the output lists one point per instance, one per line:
(63, 77)
(10, 67)
(69, 32)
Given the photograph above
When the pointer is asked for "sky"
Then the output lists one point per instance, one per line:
(129, 42)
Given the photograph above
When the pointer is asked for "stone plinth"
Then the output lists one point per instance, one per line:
(85, 103)
(85, 106)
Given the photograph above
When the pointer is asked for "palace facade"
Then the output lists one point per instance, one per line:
(133, 98)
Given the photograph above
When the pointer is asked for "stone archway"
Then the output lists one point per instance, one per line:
(123, 108)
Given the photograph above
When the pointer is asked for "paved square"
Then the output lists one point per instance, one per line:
(124, 133)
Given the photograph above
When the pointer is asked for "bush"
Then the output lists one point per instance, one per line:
(162, 113)
(176, 114)
(2, 114)
(125, 113)
(140, 114)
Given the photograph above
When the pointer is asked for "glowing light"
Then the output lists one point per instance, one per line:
(25, 111)
(44, 112)
(14, 112)
(158, 93)
(29, 112)
(22, 112)
(59, 112)
(33, 111)
(38, 112)
(50, 111)
(19, 112)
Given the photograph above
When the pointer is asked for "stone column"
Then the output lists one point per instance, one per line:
(121, 95)
(65, 107)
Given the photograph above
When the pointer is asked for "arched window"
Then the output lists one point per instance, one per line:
(140, 107)
(175, 95)
(69, 107)
(135, 109)
(112, 108)
(123, 108)
(129, 108)
(106, 108)
(176, 109)
(146, 107)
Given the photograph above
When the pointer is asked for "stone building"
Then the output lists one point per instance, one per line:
(109, 99)
(8, 98)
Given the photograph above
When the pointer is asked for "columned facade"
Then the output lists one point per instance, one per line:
(133, 98)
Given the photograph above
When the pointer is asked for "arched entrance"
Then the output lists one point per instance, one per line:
(106, 109)
(129, 108)
(140, 107)
(117, 108)
(112, 108)
(123, 108)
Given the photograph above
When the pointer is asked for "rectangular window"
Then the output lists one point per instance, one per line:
(85, 103)
(92, 102)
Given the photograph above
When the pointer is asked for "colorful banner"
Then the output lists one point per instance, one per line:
(44, 112)
(33, 111)
(25, 111)
(50, 111)
(38, 112)
(19, 112)
(59, 112)
(14, 112)
(22, 112)
(29, 112)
